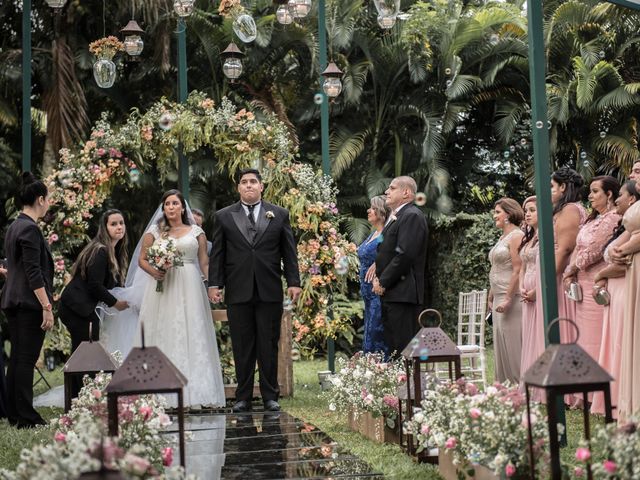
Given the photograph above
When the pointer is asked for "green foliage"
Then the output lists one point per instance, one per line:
(458, 262)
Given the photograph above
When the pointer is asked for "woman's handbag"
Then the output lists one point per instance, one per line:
(575, 292)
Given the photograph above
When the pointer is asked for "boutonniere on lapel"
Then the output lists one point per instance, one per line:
(392, 218)
(270, 214)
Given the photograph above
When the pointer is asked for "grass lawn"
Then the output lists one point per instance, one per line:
(307, 405)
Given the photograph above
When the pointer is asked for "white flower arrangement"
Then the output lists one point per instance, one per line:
(486, 428)
(368, 383)
(163, 255)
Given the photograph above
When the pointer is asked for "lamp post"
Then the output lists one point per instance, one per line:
(183, 8)
(26, 85)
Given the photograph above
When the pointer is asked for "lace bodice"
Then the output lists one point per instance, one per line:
(501, 265)
(593, 237)
(187, 244)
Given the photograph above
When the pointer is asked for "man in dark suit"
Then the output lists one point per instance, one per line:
(400, 265)
(251, 240)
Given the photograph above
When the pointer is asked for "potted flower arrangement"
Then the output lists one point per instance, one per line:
(244, 25)
(104, 70)
(366, 387)
(479, 434)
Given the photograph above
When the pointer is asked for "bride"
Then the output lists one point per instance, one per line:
(178, 319)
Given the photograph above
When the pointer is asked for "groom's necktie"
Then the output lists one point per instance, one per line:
(250, 214)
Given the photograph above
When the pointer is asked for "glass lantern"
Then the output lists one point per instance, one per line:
(232, 65)
(133, 43)
(183, 8)
(332, 85)
(56, 3)
(386, 21)
(283, 15)
(299, 8)
(104, 71)
(387, 8)
(244, 26)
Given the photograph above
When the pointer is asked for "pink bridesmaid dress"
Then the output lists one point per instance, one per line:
(590, 245)
(566, 307)
(532, 319)
(611, 346)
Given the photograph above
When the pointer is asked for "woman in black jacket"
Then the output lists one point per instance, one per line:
(26, 299)
(101, 266)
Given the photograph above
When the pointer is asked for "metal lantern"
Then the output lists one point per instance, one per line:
(431, 345)
(332, 85)
(133, 43)
(283, 15)
(299, 8)
(562, 369)
(387, 8)
(183, 8)
(145, 371)
(56, 3)
(88, 359)
(386, 21)
(232, 66)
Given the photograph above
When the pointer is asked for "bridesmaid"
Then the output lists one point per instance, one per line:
(568, 217)
(373, 340)
(612, 280)
(101, 266)
(628, 252)
(532, 319)
(504, 294)
(587, 260)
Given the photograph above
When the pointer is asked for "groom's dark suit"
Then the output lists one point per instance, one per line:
(400, 266)
(248, 261)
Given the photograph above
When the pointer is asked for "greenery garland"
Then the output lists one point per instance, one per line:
(85, 178)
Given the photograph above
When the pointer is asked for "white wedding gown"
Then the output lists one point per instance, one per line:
(178, 321)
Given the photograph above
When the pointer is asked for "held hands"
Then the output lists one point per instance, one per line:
(47, 320)
(293, 293)
(371, 273)
(528, 296)
(121, 305)
(377, 288)
(619, 256)
(215, 295)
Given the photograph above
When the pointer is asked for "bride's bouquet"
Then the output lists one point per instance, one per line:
(163, 255)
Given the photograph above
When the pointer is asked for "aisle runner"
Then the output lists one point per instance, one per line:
(266, 445)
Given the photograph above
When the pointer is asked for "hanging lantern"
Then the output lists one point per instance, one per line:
(232, 66)
(283, 15)
(299, 8)
(56, 3)
(104, 71)
(133, 43)
(244, 26)
(386, 21)
(332, 85)
(387, 8)
(183, 8)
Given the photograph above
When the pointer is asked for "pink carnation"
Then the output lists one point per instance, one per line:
(402, 378)
(424, 430)
(450, 443)
(53, 238)
(97, 394)
(60, 437)
(609, 466)
(475, 413)
(472, 389)
(167, 456)
(391, 400)
(101, 152)
(145, 412)
(509, 470)
(578, 472)
(583, 454)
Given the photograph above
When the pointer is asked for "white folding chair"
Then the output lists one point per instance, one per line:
(472, 309)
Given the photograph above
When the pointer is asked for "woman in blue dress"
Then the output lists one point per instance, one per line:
(373, 340)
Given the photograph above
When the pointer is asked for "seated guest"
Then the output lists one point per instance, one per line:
(26, 299)
(101, 265)
(373, 340)
(611, 281)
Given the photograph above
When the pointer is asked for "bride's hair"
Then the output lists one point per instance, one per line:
(118, 255)
(163, 223)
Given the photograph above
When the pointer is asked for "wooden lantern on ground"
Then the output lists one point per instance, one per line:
(562, 369)
(89, 358)
(145, 371)
(431, 345)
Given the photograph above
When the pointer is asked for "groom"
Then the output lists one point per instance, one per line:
(251, 240)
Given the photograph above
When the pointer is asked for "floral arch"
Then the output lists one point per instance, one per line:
(85, 177)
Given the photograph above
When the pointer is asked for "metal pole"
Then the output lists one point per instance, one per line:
(540, 134)
(324, 138)
(26, 85)
(183, 163)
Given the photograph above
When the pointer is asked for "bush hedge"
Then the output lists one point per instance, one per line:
(457, 261)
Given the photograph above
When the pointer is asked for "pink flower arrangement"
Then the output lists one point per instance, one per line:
(583, 454)
(450, 443)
